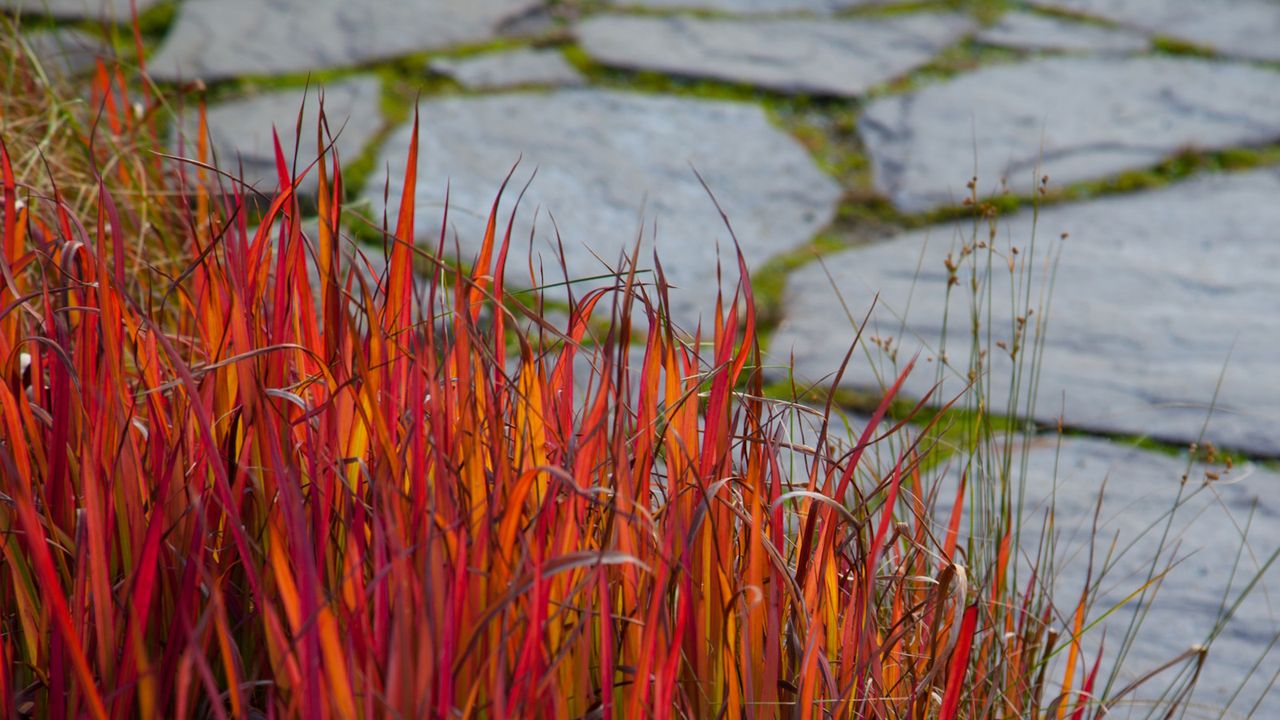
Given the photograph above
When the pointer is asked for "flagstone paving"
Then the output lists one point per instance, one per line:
(112, 10)
(805, 56)
(752, 6)
(1156, 296)
(218, 39)
(515, 68)
(1032, 31)
(614, 167)
(1239, 28)
(1073, 118)
(241, 130)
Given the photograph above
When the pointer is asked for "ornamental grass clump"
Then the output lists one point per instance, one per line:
(249, 472)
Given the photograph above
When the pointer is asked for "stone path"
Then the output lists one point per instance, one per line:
(607, 162)
(1085, 118)
(1238, 28)
(217, 39)
(901, 105)
(1155, 294)
(802, 56)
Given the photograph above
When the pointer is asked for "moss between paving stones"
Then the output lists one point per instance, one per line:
(962, 428)
(1182, 166)
(963, 57)
(1064, 14)
(859, 212)
(985, 11)
(155, 22)
(1164, 45)
(959, 430)
(648, 81)
(638, 8)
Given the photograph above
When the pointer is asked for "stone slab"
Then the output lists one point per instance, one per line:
(1238, 28)
(1140, 488)
(744, 7)
(113, 10)
(218, 39)
(791, 55)
(1155, 294)
(1031, 31)
(1085, 117)
(516, 68)
(241, 130)
(609, 164)
(66, 51)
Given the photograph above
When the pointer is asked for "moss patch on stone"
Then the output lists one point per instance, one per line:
(1166, 45)
(962, 57)
(1182, 166)
(647, 81)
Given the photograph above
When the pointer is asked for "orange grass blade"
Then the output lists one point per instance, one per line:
(959, 664)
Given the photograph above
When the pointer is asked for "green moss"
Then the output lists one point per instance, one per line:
(957, 431)
(636, 7)
(1183, 165)
(962, 57)
(902, 7)
(983, 10)
(768, 282)
(155, 22)
(659, 83)
(986, 11)
(828, 130)
(1062, 14)
(870, 210)
(12, 24)
(961, 431)
(1174, 46)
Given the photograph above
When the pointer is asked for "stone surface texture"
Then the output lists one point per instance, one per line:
(1155, 294)
(241, 130)
(1140, 487)
(607, 162)
(1031, 31)
(216, 39)
(1086, 117)
(112, 10)
(752, 6)
(1238, 28)
(497, 71)
(790, 55)
(67, 51)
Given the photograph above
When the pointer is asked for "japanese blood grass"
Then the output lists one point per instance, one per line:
(263, 503)
(269, 482)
